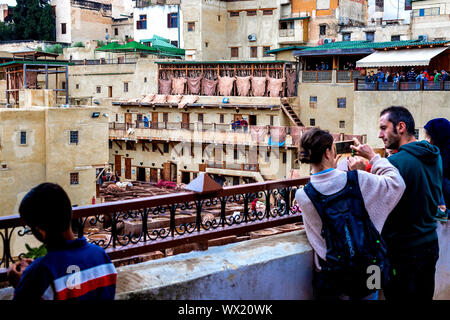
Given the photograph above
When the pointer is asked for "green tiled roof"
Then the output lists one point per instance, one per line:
(29, 62)
(374, 45)
(164, 46)
(286, 49)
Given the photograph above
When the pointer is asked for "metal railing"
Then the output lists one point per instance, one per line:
(317, 76)
(116, 60)
(361, 85)
(132, 227)
(232, 166)
(344, 76)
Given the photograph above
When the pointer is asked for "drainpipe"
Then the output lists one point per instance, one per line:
(178, 25)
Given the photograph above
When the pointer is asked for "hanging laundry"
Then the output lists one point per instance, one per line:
(258, 133)
(274, 86)
(296, 134)
(243, 85)
(258, 86)
(194, 85)
(226, 85)
(178, 85)
(164, 86)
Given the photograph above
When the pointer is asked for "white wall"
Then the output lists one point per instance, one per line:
(393, 9)
(157, 23)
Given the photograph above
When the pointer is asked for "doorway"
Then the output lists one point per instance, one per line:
(140, 174)
(185, 121)
(153, 175)
(110, 92)
(252, 120)
(185, 177)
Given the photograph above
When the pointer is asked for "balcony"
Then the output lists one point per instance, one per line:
(205, 133)
(361, 85)
(286, 33)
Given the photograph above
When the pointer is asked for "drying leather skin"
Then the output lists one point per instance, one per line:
(243, 85)
(160, 98)
(226, 85)
(178, 85)
(290, 83)
(165, 86)
(186, 100)
(148, 98)
(174, 99)
(274, 86)
(209, 87)
(194, 85)
(259, 86)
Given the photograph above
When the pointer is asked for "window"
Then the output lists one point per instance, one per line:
(347, 36)
(253, 52)
(172, 20)
(323, 29)
(426, 12)
(251, 13)
(165, 117)
(313, 101)
(116, 31)
(110, 144)
(23, 137)
(174, 43)
(142, 22)
(234, 14)
(200, 117)
(234, 52)
(63, 28)
(370, 36)
(166, 148)
(74, 178)
(265, 49)
(312, 122)
(145, 79)
(191, 26)
(395, 38)
(73, 137)
(284, 155)
(221, 118)
(206, 44)
(408, 5)
(379, 5)
(99, 89)
(271, 120)
(341, 102)
(129, 145)
(77, 86)
(342, 124)
(125, 87)
(235, 154)
(267, 12)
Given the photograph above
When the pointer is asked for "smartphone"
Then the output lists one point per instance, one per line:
(344, 146)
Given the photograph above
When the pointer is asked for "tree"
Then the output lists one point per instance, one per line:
(33, 20)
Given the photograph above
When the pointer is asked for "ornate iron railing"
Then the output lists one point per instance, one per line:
(132, 227)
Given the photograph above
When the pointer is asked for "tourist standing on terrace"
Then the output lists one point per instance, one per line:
(410, 230)
(367, 197)
(72, 268)
(411, 75)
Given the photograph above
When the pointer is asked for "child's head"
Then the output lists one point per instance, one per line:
(47, 210)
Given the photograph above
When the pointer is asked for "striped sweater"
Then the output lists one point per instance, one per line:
(77, 270)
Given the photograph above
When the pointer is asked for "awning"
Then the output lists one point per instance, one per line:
(400, 58)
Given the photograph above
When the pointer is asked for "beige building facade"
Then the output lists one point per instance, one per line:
(51, 145)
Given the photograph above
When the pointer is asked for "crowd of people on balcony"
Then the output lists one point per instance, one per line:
(410, 76)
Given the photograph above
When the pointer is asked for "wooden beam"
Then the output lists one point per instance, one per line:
(118, 144)
(144, 147)
(157, 147)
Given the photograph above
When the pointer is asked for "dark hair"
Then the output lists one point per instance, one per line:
(439, 131)
(398, 114)
(313, 145)
(48, 207)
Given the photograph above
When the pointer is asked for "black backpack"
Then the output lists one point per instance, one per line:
(353, 243)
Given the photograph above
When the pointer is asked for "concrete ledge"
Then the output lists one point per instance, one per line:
(275, 267)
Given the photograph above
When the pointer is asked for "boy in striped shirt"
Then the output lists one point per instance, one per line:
(72, 268)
